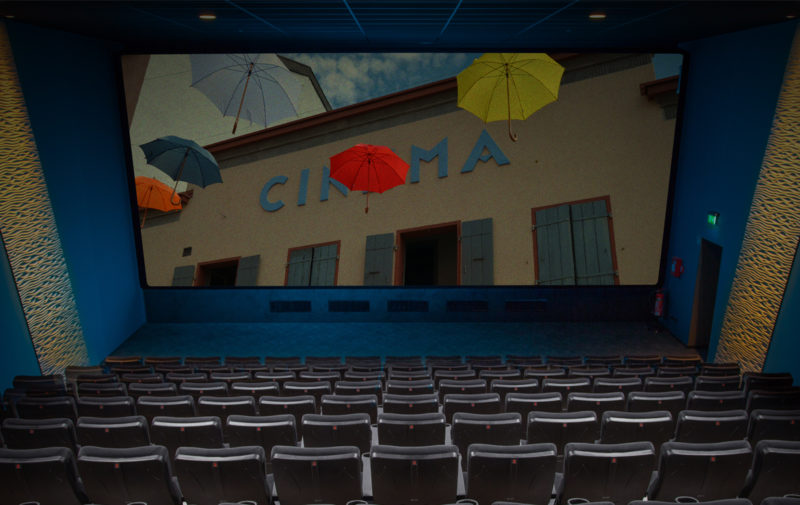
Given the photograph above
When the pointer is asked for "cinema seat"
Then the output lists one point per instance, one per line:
(223, 406)
(642, 401)
(481, 403)
(304, 475)
(453, 375)
(592, 372)
(505, 373)
(351, 404)
(640, 372)
(542, 372)
(102, 389)
(762, 381)
(45, 407)
(767, 424)
(409, 387)
(179, 377)
(703, 471)
(425, 475)
(106, 406)
(410, 404)
(780, 399)
(726, 501)
(175, 406)
(720, 369)
(466, 386)
(716, 400)
(711, 426)
(717, 383)
(313, 388)
(198, 389)
(118, 476)
(359, 387)
(617, 384)
(128, 431)
(255, 389)
(774, 470)
(505, 386)
(263, 431)
(618, 473)
(174, 432)
(141, 378)
(596, 402)
(561, 428)
(144, 389)
(46, 476)
(520, 473)
(294, 405)
(662, 384)
(619, 427)
(39, 433)
(211, 476)
(337, 430)
(410, 375)
(411, 429)
(494, 429)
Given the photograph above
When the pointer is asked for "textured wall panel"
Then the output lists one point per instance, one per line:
(29, 231)
(771, 234)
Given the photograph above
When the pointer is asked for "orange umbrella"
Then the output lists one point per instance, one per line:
(154, 194)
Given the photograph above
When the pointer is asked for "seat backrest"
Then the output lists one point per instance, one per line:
(643, 401)
(198, 389)
(411, 429)
(670, 383)
(439, 375)
(47, 476)
(409, 387)
(223, 406)
(102, 389)
(783, 399)
(39, 433)
(619, 427)
(466, 386)
(128, 431)
(617, 384)
(174, 432)
(125, 475)
(495, 429)
(156, 389)
(752, 381)
(505, 386)
(176, 406)
(717, 383)
(565, 386)
(716, 400)
(264, 431)
(361, 387)
(596, 402)
(211, 476)
(767, 424)
(351, 404)
(313, 388)
(424, 475)
(317, 474)
(254, 389)
(592, 372)
(703, 471)
(337, 430)
(561, 428)
(514, 473)
(46, 407)
(774, 471)
(297, 406)
(410, 404)
(480, 403)
(618, 473)
(106, 406)
(711, 426)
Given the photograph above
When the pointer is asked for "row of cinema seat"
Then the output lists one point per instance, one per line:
(392, 475)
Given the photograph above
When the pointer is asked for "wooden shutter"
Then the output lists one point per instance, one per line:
(299, 267)
(554, 246)
(247, 271)
(183, 276)
(592, 243)
(477, 255)
(379, 259)
(323, 265)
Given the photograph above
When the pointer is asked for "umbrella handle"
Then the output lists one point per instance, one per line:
(143, 218)
(513, 136)
(366, 209)
(241, 102)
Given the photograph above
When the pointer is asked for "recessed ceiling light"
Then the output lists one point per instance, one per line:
(791, 16)
(9, 16)
(207, 16)
(597, 15)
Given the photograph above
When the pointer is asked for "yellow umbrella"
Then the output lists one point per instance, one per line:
(506, 86)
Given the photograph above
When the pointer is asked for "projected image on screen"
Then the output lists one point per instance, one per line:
(575, 193)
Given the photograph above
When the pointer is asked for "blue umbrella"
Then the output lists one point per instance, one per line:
(182, 159)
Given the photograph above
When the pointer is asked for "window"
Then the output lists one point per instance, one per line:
(573, 244)
(315, 265)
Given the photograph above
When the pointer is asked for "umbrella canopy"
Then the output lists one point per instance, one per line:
(257, 87)
(183, 160)
(506, 86)
(370, 168)
(154, 194)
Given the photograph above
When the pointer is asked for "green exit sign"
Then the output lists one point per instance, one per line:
(713, 218)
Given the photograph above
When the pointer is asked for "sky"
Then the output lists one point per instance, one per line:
(355, 77)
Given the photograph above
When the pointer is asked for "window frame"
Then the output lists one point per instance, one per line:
(312, 246)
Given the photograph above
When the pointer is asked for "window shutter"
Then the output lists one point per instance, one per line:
(183, 276)
(554, 246)
(299, 267)
(247, 271)
(592, 244)
(477, 255)
(378, 260)
(323, 265)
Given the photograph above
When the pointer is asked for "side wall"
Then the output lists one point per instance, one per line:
(71, 92)
(727, 116)
(785, 346)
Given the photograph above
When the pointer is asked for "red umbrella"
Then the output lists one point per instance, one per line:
(365, 167)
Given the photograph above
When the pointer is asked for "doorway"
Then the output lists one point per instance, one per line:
(217, 273)
(428, 256)
(705, 296)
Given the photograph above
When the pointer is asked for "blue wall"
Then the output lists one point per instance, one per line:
(727, 117)
(71, 91)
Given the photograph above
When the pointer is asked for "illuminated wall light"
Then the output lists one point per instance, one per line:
(30, 235)
(597, 16)
(771, 235)
(207, 16)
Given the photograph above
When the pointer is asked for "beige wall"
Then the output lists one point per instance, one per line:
(600, 138)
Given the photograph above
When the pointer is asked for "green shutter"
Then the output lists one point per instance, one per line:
(379, 259)
(477, 255)
(299, 267)
(554, 246)
(247, 271)
(592, 243)
(183, 276)
(323, 265)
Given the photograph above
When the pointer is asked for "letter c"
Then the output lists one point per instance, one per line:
(265, 203)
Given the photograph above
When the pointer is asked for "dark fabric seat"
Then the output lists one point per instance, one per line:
(198, 389)
(662, 384)
(411, 429)
(255, 389)
(566, 386)
(524, 403)
(617, 384)
(294, 405)
(466, 386)
(410, 404)
(642, 401)
(424, 475)
(763, 381)
(494, 429)
(711, 426)
(174, 432)
(560, 428)
(106, 406)
(223, 406)
(716, 400)
(779, 399)
(505, 386)
(596, 402)
(409, 387)
(46, 407)
(46, 476)
(717, 383)
(619, 427)
(361, 387)
(176, 406)
(39, 433)
(118, 476)
(312, 388)
(306, 475)
(351, 404)
(102, 389)
(774, 470)
(767, 424)
(129, 431)
(211, 476)
(337, 430)
(518, 473)
(263, 431)
(481, 403)
(136, 390)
